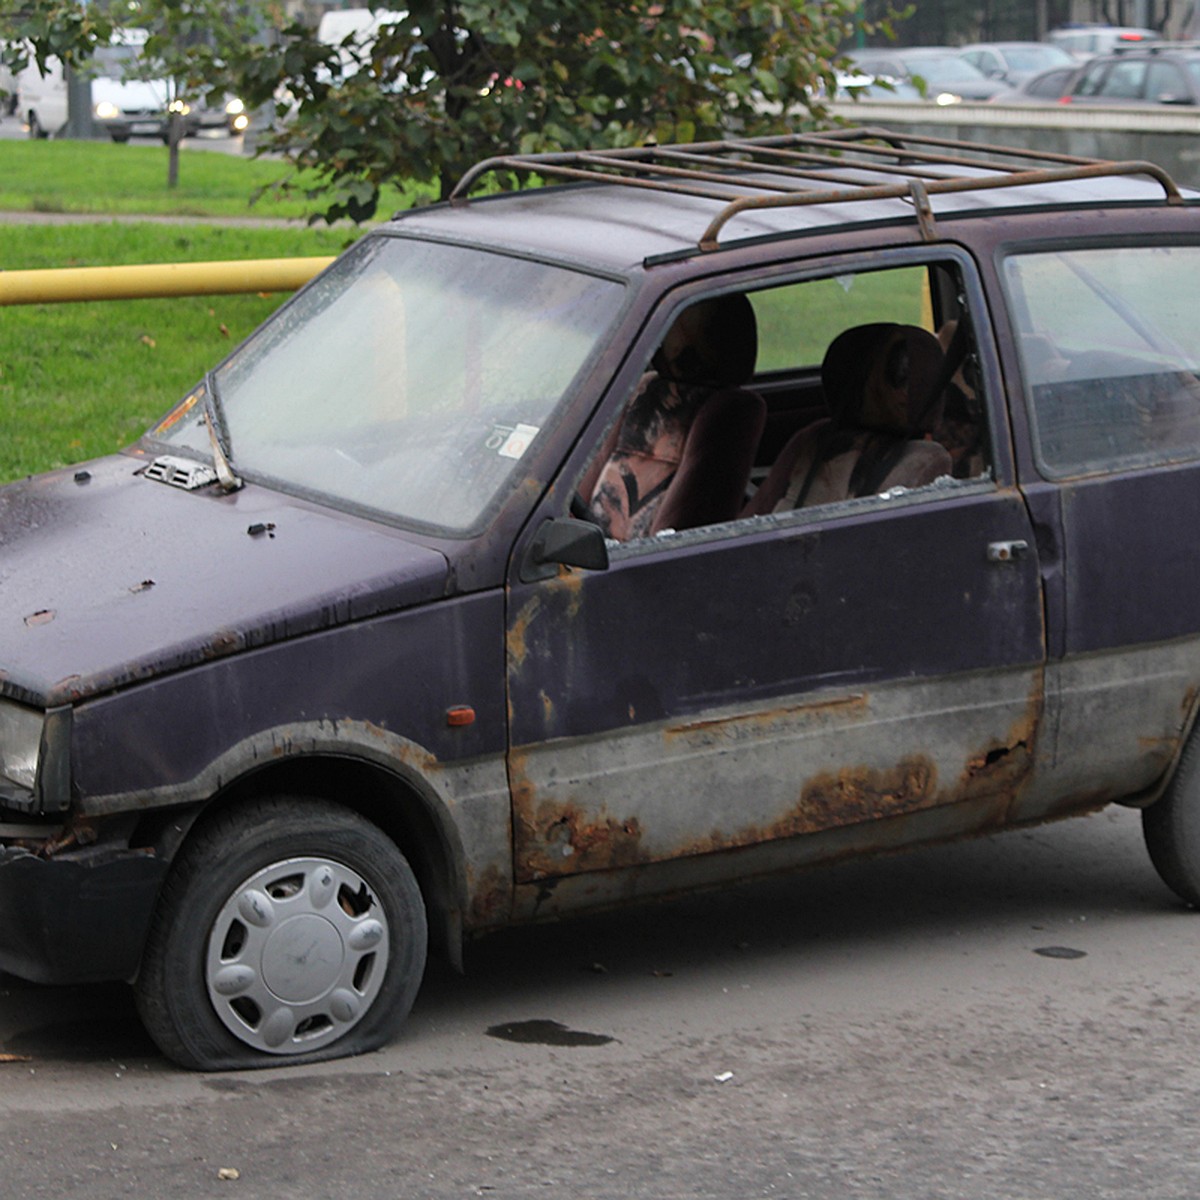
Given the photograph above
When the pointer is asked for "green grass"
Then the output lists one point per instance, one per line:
(81, 380)
(102, 177)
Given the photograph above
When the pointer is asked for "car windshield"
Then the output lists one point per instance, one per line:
(114, 61)
(944, 69)
(410, 379)
(1036, 58)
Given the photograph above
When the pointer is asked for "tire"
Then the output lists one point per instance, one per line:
(35, 126)
(289, 930)
(1171, 827)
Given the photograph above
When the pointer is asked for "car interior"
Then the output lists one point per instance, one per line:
(810, 393)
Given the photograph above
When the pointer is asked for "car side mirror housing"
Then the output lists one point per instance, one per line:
(568, 542)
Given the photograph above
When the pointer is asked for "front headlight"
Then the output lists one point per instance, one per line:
(106, 110)
(20, 740)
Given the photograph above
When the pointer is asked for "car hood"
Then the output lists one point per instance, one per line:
(109, 578)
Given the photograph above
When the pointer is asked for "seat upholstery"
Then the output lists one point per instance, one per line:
(681, 455)
(961, 427)
(878, 381)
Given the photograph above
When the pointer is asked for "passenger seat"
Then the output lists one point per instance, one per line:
(878, 381)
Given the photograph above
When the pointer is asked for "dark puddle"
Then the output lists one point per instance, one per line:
(546, 1033)
(1060, 952)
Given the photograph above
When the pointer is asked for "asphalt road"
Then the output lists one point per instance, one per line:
(882, 1029)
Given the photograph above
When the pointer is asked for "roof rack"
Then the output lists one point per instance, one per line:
(746, 174)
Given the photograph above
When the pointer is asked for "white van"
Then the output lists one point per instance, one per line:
(360, 23)
(41, 99)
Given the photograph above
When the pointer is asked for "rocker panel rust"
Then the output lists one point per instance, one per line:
(742, 779)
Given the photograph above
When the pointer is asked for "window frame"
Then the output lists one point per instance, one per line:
(1000, 467)
(1019, 322)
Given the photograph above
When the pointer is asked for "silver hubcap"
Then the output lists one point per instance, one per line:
(296, 956)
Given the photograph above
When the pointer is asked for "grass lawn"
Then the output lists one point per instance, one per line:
(81, 380)
(102, 177)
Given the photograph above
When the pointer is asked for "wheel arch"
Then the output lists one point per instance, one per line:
(406, 812)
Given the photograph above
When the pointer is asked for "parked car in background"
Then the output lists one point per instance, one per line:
(867, 88)
(1014, 62)
(228, 115)
(1046, 87)
(593, 542)
(8, 92)
(125, 105)
(40, 100)
(1085, 40)
(941, 74)
(1156, 73)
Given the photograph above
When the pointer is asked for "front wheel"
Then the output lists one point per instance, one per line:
(289, 930)
(1171, 827)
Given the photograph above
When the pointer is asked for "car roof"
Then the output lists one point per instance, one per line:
(1013, 45)
(1152, 50)
(928, 52)
(619, 209)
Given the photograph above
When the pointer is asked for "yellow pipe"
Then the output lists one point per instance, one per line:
(158, 279)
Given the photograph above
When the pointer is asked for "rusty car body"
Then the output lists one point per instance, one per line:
(334, 660)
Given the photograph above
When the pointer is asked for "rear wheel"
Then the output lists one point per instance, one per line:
(1171, 827)
(290, 930)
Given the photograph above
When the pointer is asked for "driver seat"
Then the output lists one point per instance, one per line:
(681, 455)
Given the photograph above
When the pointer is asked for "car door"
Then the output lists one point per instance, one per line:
(846, 671)
(1107, 352)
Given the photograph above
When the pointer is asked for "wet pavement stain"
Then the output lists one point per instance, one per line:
(1060, 952)
(546, 1033)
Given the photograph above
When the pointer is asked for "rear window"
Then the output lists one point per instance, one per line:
(1109, 355)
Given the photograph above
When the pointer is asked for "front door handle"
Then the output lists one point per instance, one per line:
(1000, 552)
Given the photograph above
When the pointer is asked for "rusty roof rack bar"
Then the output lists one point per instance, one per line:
(737, 171)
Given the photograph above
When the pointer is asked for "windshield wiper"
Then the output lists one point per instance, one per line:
(225, 475)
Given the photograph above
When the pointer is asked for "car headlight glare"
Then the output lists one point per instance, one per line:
(235, 106)
(20, 742)
(106, 110)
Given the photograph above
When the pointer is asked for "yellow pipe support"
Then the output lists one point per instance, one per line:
(56, 286)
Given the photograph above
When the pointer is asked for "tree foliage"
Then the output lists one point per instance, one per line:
(447, 82)
(38, 30)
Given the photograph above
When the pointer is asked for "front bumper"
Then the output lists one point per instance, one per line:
(79, 917)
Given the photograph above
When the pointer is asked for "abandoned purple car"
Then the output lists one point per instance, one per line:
(704, 512)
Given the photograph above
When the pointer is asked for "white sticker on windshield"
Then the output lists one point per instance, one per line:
(518, 441)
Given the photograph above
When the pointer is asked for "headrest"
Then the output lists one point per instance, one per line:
(713, 342)
(882, 377)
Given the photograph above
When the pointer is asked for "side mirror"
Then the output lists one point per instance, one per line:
(568, 542)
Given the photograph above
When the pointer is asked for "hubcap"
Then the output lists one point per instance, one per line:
(296, 955)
